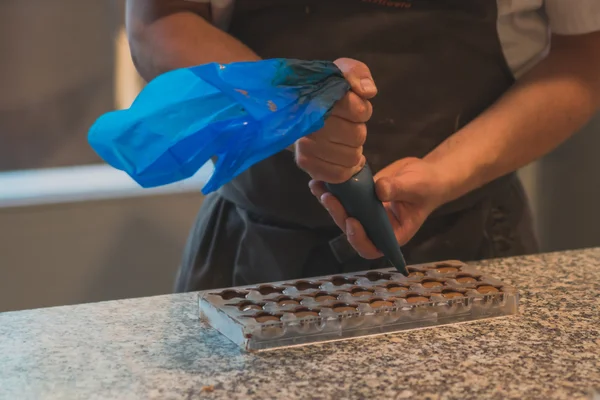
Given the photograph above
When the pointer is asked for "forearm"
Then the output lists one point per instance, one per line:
(170, 34)
(548, 105)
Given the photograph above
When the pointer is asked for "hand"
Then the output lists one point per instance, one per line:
(410, 190)
(334, 153)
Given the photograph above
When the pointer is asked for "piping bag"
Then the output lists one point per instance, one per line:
(239, 114)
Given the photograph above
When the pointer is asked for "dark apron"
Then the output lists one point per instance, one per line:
(437, 65)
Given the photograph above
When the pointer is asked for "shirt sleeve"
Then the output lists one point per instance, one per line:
(573, 17)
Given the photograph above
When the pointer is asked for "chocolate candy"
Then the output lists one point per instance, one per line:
(452, 295)
(232, 294)
(377, 276)
(381, 303)
(394, 287)
(305, 312)
(485, 289)
(416, 299)
(305, 285)
(341, 307)
(465, 279)
(342, 280)
(431, 284)
(266, 317)
(249, 305)
(322, 297)
(446, 269)
(268, 289)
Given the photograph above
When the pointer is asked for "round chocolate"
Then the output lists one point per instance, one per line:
(248, 305)
(446, 269)
(342, 280)
(302, 314)
(431, 284)
(232, 294)
(452, 295)
(485, 289)
(325, 297)
(340, 308)
(357, 292)
(381, 303)
(267, 289)
(377, 276)
(288, 302)
(465, 279)
(396, 288)
(305, 285)
(416, 299)
(264, 317)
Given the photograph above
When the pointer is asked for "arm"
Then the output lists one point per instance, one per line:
(548, 105)
(170, 34)
(544, 108)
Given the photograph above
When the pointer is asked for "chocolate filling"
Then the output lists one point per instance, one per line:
(381, 303)
(248, 305)
(341, 307)
(359, 291)
(288, 302)
(452, 294)
(267, 289)
(485, 289)
(305, 312)
(446, 269)
(465, 279)
(342, 280)
(416, 299)
(393, 287)
(305, 285)
(232, 294)
(431, 284)
(266, 317)
(413, 272)
(321, 297)
(377, 276)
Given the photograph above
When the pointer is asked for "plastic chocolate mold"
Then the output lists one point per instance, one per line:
(343, 306)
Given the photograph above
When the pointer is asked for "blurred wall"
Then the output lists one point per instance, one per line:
(56, 75)
(567, 189)
(88, 251)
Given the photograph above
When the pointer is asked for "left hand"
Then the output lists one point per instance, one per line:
(410, 190)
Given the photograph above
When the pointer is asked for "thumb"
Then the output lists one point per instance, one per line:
(359, 77)
(396, 189)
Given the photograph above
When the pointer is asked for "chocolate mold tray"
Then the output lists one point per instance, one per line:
(338, 307)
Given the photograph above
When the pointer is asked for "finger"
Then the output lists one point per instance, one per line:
(317, 188)
(357, 237)
(340, 131)
(335, 209)
(323, 171)
(333, 153)
(353, 108)
(397, 189)
(359, 77)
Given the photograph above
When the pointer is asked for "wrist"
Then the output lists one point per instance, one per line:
(454, 178)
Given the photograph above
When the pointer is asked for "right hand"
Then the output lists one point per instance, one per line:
(334, 153)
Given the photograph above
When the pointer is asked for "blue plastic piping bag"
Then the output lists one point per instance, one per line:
(240, 113)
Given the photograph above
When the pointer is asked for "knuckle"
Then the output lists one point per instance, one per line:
(356, 156)
(368, 110)
(303, 161)
(361, 135)
(359, 108)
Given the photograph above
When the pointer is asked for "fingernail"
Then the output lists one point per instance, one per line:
(349, 229)
(367, 84)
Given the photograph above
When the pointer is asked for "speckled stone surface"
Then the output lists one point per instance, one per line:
(156, 348)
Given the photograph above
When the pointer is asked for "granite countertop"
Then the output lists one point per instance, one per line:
(156, 348)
